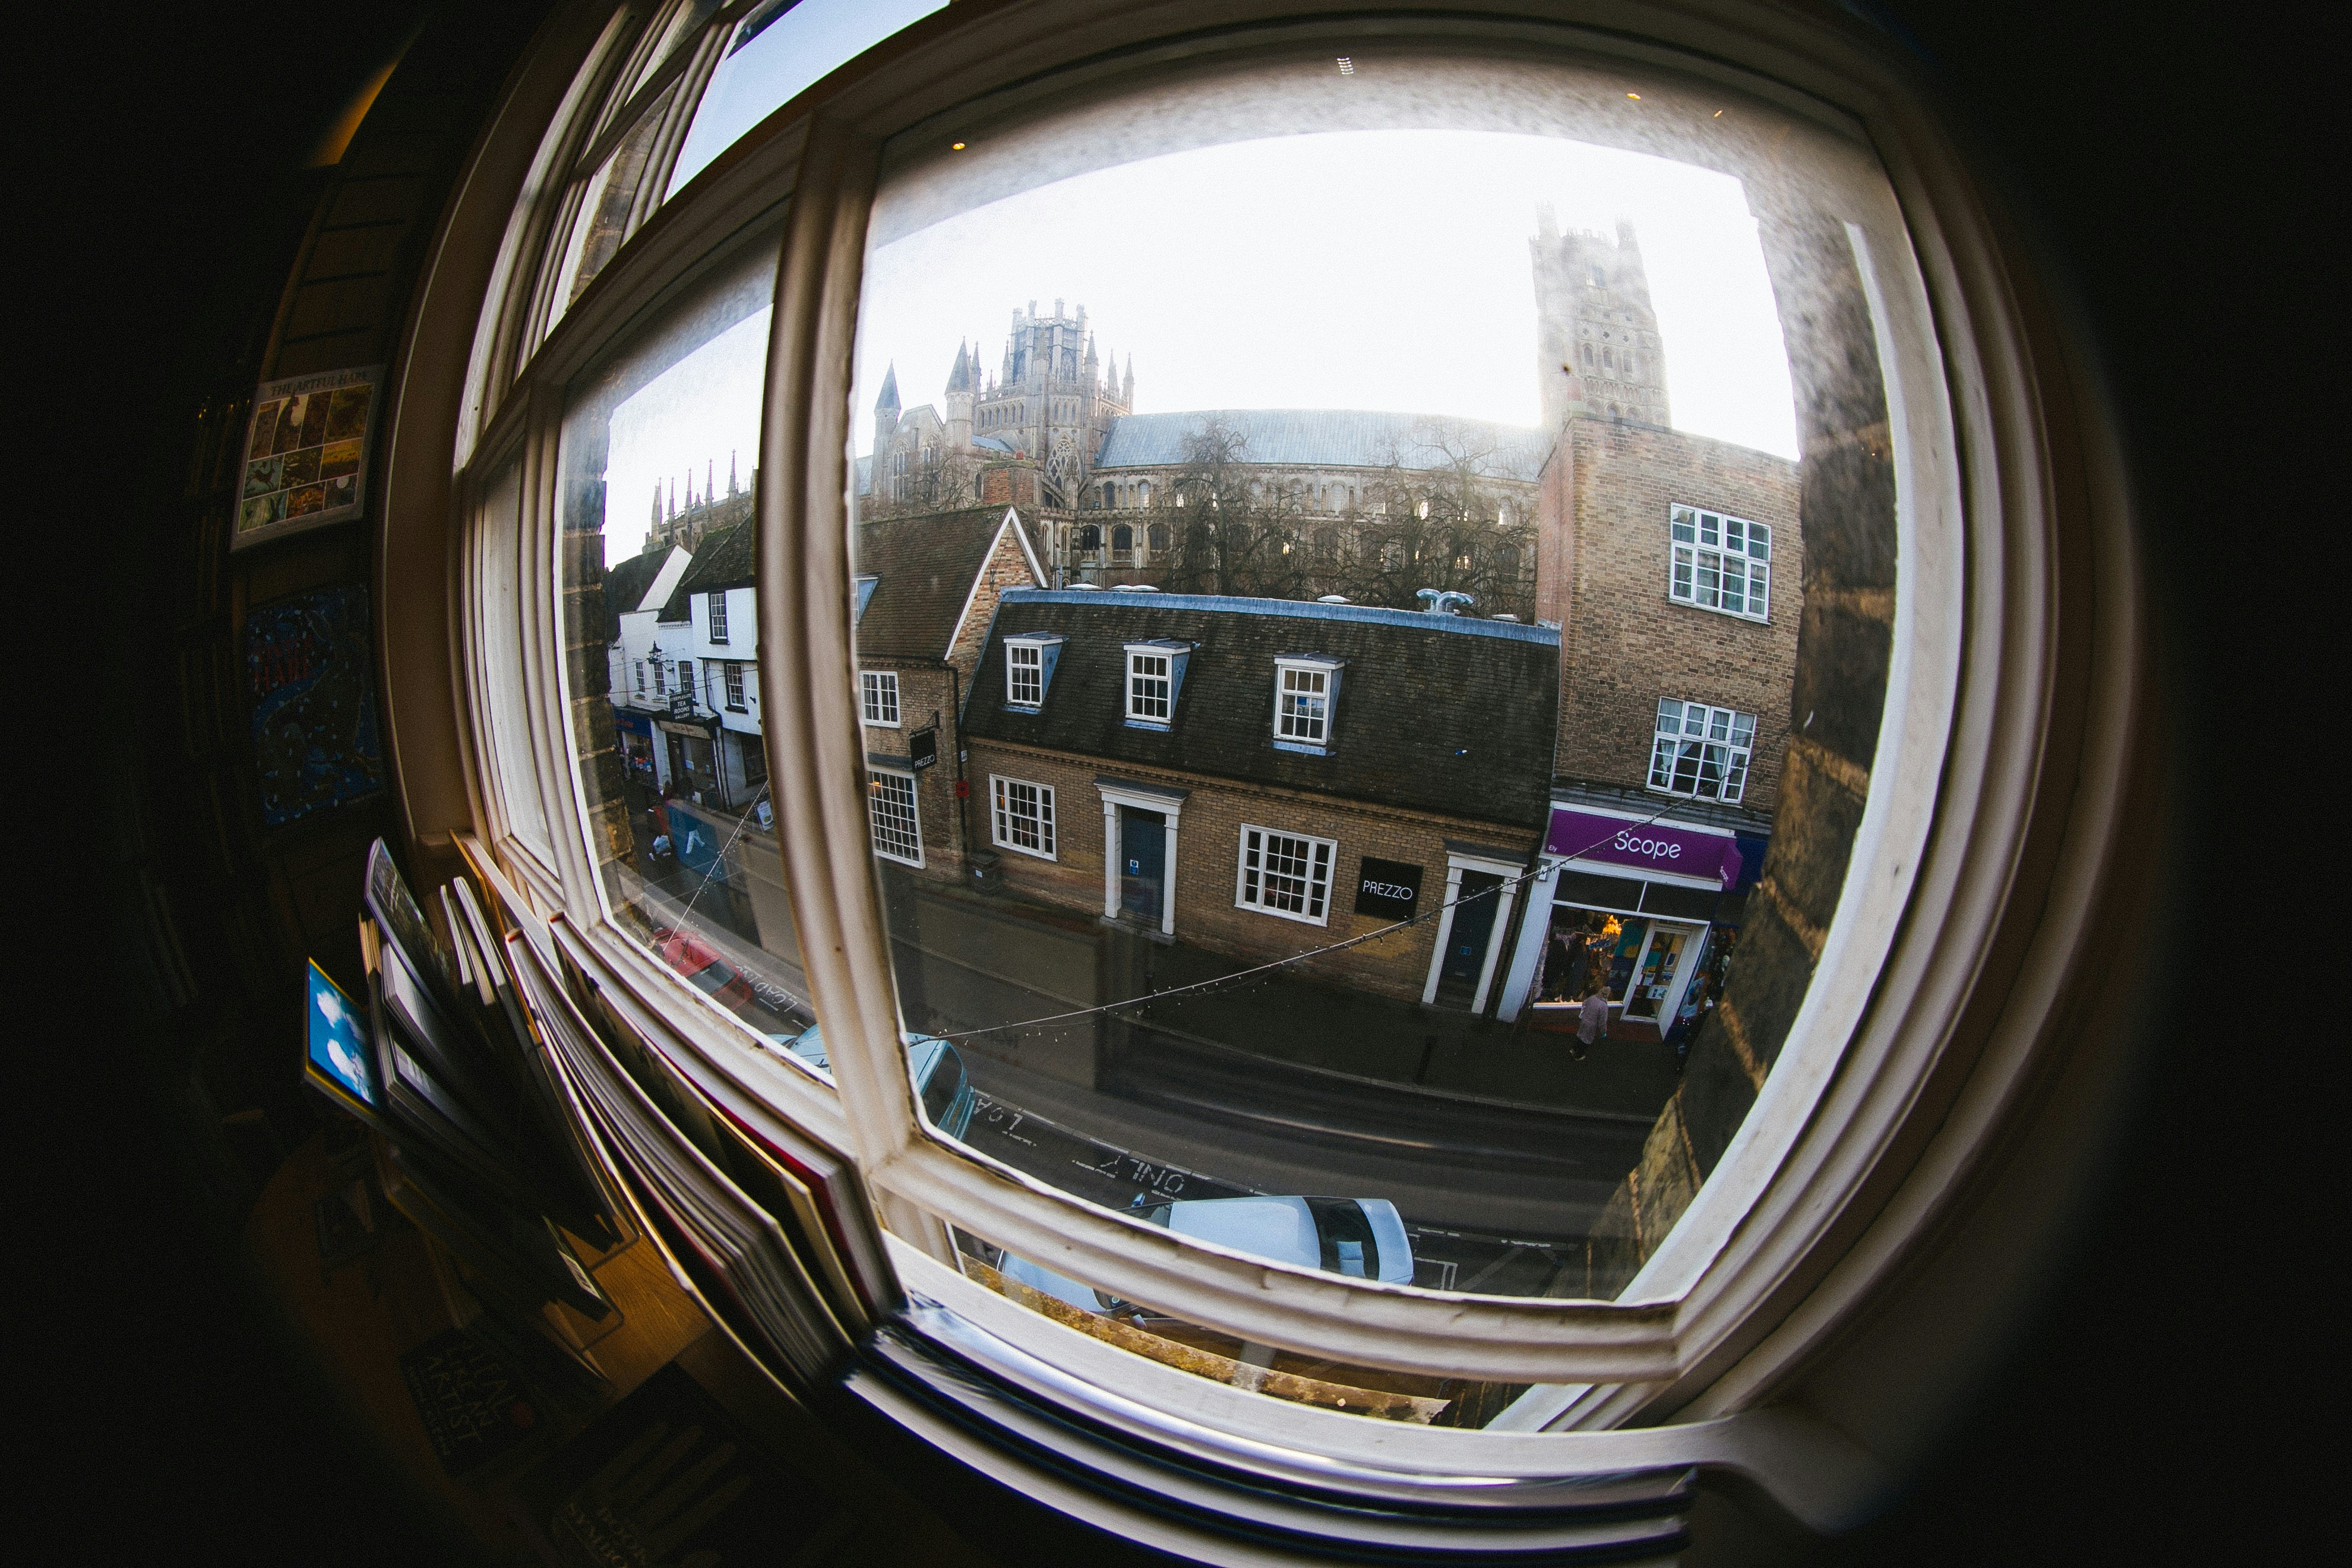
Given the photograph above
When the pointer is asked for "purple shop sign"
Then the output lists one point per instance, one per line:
(1651, 847)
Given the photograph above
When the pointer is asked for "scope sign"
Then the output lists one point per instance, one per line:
(1652, 849)
(1389, 888)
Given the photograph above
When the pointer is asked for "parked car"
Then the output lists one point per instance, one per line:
(1361, 1238)
(938, 1067)
(704, 969)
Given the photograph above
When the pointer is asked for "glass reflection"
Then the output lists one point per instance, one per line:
(656, 509)
(1274, 796)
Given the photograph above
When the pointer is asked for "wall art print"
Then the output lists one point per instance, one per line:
(306, 452)
(310, 670)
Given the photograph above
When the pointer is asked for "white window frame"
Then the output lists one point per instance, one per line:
(1725, 738)
(715, 615)
(1291, 731)
(738, 701)
(1252, 868)
(1680, 1343)
(1138, 705)
(1698, 545)
(877, 691)
(877, 792)
(1037, 652)
(1004, 821)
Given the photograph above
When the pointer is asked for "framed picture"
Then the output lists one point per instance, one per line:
(305, 451)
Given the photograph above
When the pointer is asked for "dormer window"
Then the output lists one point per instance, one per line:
(1029, 662)
(1306, 685)
(1155, 674)
(865, 586)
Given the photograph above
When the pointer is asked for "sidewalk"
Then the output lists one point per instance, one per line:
(1279, 1016)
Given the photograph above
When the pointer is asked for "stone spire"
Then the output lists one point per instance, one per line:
(885, 412)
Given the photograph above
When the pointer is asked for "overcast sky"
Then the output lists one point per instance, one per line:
(1364, 269)
(1383, 269)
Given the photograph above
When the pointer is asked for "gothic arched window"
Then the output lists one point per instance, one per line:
(1089, 537)
(1158, 536)
(1122, 537)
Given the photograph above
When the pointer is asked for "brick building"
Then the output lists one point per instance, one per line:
(1673, 566)
(1262, 777)
(927, 590)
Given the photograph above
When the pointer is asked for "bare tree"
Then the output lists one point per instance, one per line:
(1438, 518)
(1235, 528)
(937, 480)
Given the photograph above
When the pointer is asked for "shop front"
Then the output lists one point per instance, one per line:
(1639, 909)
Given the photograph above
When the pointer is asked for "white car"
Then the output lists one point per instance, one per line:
(1361, 1238)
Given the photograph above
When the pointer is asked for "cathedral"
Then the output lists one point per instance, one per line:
(1053, 430)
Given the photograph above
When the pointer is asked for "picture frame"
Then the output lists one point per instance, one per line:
(305, 459)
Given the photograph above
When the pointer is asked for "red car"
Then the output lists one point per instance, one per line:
(704, 969)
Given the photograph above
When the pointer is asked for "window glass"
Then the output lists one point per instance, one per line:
(779, 50)
(655, 501)
(612, 201)
(500, 564)
(1343, 846)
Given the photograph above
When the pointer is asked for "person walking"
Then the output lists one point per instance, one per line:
(1592, 1025)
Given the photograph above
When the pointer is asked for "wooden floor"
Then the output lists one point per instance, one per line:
(357, 1322)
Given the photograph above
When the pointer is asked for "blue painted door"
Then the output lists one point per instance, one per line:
(1143, 862)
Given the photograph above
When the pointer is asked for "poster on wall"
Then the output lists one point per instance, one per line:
(306, 453)
(310, 671)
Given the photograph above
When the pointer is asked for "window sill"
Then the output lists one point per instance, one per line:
(1147, 725)
(1286, 915)
(1302, 748)
(1727, 615)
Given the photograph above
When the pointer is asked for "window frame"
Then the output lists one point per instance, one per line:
(1173, 656)
(1327, 859)
(876, 773)
(999, 817)
(715, 617)
(1741, 757)
(871, 685)
(1047, 649)
(1713, 1327)
(1686, 594)
(738, 699)
(1328, 671)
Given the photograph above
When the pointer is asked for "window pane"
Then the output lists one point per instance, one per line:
(1349, 730)
(502, 577)
(777, 52)
(655, 499)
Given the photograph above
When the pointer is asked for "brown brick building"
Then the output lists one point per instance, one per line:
(927, 592)
(1673, 566)
(1262, 777)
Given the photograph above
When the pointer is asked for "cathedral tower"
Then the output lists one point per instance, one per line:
(1054, 400)
(1597, 348)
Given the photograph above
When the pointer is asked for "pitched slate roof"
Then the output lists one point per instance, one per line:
(926, 567)
(723, 561)
(626, 585)
(1326, 437)
(1439, 713)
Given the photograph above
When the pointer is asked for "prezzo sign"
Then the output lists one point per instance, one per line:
(1651, 846)
(1389, 888)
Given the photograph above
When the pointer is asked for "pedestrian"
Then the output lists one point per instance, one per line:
(1592, 1027)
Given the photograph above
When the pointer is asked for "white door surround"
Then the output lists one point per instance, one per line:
(1169, 804)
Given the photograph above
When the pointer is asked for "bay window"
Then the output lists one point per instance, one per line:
(691, 275)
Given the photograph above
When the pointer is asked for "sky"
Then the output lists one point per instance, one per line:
(1380, 270)
(692, 419)
(1365, 269)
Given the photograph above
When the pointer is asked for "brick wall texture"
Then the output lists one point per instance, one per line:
(1207, 857)
(1603, 565)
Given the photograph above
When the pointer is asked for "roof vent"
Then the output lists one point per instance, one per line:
(1513, 619)
(1332, 599)
(1444, 600)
